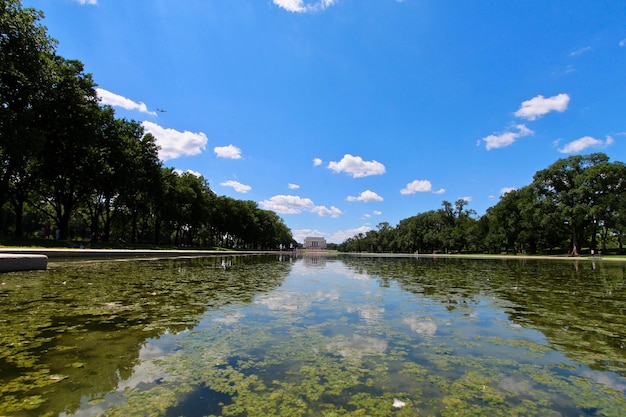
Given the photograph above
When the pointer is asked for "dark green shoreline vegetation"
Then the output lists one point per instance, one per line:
(575, 206)
(71, 171)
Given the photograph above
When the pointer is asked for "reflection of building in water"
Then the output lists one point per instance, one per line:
(317, 260)
(314, 243)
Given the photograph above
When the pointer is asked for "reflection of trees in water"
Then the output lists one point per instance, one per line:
(580, 306)
(76, 329)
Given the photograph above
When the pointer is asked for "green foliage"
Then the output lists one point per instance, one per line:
(577, 202)
(68, 163)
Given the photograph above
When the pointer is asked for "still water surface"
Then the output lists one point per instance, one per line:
(315, 336)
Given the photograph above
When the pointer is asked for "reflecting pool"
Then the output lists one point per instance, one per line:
(315, 336)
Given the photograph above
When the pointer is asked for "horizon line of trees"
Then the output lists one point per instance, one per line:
(69, 164)
(577, 202)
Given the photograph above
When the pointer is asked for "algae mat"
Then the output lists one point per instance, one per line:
(314, 336)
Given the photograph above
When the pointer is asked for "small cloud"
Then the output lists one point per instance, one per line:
(293, 186)
(417, 186)
(440, 191)
(357, 167)
(466, 199)
(373, 213)
(87, 1)
(291, 204)
(181, 172)
(538, 106)
(622, 43)
(366, 196)
(115, 100)
(586, 142)
(317, 162)
(323, 211)
(228, 152)
(569, 69)
(507, 138)
(580, 51)
(505, 190)
(299, 6)
(237, 186)
(173, 144)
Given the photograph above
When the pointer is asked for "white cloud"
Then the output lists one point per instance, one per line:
(374, 213)
(173, 143)
(440, 191)
(586, 142)
(239, 187)
(466, 199)
(622, 43)
(189, 171)
(417, 186)
(507, 138)
(505, 190)
(228, 152)
(299, 6)
(581, 51)
(366, 196)
(538, 106)
(291, 204)
(342, 235)
(115, 100)
(317, 162)
(323, 211)
(88, 1)
(357, 167)
(293, 186)
(300, 234)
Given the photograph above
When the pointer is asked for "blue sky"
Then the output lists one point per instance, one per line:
(342, 114)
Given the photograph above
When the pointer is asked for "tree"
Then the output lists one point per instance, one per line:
(566, 185)
(128, 174)
(67, 162)
(607, 183)
(25, 76)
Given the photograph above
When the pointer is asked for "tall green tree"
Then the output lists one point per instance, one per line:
(566, 184)
(69, 158)
(607, 183)
(26, 69)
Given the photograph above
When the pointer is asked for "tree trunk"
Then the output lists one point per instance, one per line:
(574, 244)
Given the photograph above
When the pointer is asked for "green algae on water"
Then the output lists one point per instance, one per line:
(345, 337)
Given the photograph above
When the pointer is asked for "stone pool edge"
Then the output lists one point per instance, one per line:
(30, 259)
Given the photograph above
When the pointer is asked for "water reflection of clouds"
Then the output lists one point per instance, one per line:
(357, 346)
(369, 313)
(293, 301)
(229, 317)
(422, 325)
(147, 372)
(284, 300)
(606, 379)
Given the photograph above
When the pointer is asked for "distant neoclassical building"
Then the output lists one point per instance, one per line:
(314, 243)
